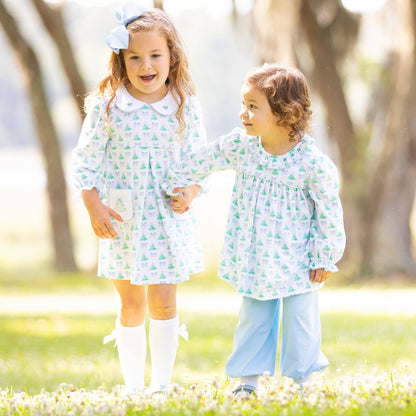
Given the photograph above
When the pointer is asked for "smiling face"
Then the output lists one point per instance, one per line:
(147, 61)
(256, 113)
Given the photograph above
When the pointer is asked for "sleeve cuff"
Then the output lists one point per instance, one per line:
(320, 264)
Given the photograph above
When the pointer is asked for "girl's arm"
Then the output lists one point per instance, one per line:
(196, 166)
(88, 169)
(327, 234)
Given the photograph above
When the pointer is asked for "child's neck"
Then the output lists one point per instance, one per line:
(279, 143)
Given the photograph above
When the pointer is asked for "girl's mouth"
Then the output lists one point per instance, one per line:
(147, 78)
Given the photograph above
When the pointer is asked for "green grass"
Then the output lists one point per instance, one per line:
(40, 352)
(372, 369)
(56, 364)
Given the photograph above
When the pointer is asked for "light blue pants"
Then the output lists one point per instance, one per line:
(256, 335)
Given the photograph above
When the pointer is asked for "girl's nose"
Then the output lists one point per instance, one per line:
(146, 64)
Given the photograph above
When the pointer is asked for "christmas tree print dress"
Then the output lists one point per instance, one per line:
(126, 159)
(285, 216)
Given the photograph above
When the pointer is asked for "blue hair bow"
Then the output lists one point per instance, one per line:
(119, 37)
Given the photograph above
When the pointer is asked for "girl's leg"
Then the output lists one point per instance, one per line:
(131, 334)
(255, 339)
(163, 334)
(301, 337)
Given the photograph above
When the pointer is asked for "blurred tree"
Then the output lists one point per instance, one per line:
(54, 23)
(378, 187)
(273, 46)
(48, 140)
(389, 202)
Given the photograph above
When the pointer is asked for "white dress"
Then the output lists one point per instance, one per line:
(285, 216)
(127, 159)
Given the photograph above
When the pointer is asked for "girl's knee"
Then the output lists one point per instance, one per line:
(162, 311)
(162, 301)
(132, 313)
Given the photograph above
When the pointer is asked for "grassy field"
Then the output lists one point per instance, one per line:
(57, 364)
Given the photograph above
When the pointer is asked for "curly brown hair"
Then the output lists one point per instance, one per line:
(287, 92)
(179, 80)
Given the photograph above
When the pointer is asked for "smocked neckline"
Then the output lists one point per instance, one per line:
(280, 161)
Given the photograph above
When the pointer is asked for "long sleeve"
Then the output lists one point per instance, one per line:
(196, 166)
(327, 235)
(88, 156)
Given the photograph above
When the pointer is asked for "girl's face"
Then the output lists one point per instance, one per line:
(147, 62)
(256, 113)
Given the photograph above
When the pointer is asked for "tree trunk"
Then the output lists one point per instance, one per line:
(340, 126)
(55, 25)
(275, 34)
(158, 4)
(56, 187)
(390, 199)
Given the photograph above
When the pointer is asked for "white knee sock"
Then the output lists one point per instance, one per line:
(131, 346)
(163, 341)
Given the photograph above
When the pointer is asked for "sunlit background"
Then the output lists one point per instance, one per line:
(220, 51)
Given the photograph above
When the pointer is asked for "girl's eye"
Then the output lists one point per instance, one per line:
(133, 58)
(253, 106)
(156, 56)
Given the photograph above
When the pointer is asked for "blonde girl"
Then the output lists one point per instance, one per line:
(142, 117)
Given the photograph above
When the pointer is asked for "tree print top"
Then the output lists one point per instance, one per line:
(285, 216)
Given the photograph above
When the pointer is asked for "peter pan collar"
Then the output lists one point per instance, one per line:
(125, 102)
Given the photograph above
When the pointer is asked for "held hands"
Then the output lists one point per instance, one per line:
(180, 203)
(319, 275)
(100, 215)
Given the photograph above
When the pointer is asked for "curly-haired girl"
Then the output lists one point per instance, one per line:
(285, 227)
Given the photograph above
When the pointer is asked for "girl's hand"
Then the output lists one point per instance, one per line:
(100, 215)
(320, 275)
(180, 203)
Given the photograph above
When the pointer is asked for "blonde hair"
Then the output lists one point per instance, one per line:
(179, 80)
(287, 92)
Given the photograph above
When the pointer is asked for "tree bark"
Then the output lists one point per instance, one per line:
(275, 34)
(340, 127)
(54, 23)
(56, 187)
(388, 244)
(158, 4)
